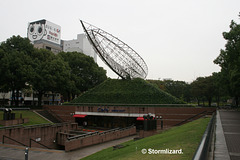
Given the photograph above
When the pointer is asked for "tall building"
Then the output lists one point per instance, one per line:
(81, 44)
(45, 34)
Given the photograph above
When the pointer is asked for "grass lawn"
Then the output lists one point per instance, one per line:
(186, 137)
(33, 118)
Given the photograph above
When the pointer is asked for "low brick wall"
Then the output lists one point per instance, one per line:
(171, 116)
(143, 133)
(44, 134)
(98, 138)
(14, 121)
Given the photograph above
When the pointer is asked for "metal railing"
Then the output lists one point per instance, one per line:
(30, 143)
(13, 126)
(190, 118)
(12, 140)
(81, 136)
(126, 105)
(54, 114)
(204, 147)
(15, 109)
(94, 133)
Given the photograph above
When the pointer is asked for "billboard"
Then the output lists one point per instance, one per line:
(44, 29)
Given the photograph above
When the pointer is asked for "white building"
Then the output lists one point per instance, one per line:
(45, 34)
(81, 44)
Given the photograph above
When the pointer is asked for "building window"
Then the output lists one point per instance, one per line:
(27, 94)
(49, 48)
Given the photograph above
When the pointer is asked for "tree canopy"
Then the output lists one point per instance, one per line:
(229, 60)
(25, 67)
(84, 72)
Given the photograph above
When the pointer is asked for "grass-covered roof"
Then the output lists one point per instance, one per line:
(136, 91)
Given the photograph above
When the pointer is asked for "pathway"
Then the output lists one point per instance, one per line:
(227, 135)
(10, 152)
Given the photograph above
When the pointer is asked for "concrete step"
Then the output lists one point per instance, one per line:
(48, 116)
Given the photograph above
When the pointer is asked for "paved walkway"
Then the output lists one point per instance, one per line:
(10, 152)
(227, 145)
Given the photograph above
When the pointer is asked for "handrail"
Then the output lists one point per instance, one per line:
(30, 143)
(111, 130)
(120, 104)
(189, 118)
(83, 135)
(205, 144)
(14, 108)
(54, 114)
(35, 125)
(13, 126)
(12, 140)
(94, 133)
(39, 125)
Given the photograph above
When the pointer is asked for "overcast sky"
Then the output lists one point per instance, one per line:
(178, 39)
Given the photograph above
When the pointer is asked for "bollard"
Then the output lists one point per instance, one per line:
(161, 122)
(26, 153)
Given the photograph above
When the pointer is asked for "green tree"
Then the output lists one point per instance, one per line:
(203, 88)
(196, 89)
(15, 69)
(179, 89)
(219, 87)
(51, 74)
(85, 73)
(229, 60)
(58, 76)
(39, 79)
(209, 89)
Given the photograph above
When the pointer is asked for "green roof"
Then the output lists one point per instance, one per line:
(136, 91)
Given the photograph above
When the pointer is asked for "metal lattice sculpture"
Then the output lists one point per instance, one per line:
(121, 58)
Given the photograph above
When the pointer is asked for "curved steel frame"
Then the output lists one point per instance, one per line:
(121, 58)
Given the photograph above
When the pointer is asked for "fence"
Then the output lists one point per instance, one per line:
(96, 137)
(205, 146)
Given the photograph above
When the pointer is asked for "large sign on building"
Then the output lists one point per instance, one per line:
(45, 30)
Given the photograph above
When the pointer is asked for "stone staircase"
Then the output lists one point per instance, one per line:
(45, 114)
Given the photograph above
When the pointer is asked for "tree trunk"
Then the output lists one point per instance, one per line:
(73, 96)
(209, 102)
(40, 93)
(17, 98)
(236, 98)
(53, 97)
(68, 96)
(33, 99)
(218, 100)
(3, 104)
(198, 102)
(13, 97)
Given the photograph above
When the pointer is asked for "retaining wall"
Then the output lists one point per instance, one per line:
(14, 121)
(98, 138)
(44, 134)
(170, 115)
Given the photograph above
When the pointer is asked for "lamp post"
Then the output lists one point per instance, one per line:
(26, 153)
